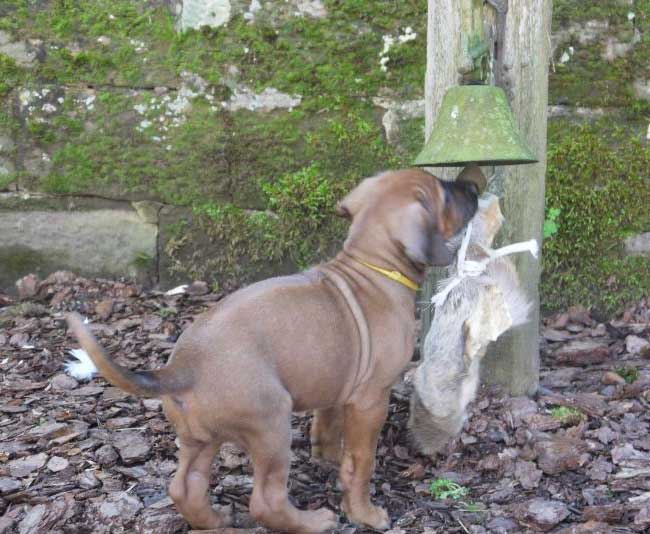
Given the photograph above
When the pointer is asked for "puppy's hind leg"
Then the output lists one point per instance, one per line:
(189, 488)
(327, 434)
(269, 446)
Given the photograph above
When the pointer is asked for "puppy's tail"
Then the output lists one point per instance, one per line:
(143, 383)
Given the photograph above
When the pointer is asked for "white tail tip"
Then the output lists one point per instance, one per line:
(83, 368)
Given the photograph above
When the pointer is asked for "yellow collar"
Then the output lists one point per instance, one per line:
(393, 275)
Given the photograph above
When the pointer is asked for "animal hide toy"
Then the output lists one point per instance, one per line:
(479, 301)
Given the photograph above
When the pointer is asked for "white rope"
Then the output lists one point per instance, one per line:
(470, 269)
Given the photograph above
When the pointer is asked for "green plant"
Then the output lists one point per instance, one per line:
(166, 313)
(7, 179)
(472, 507)
(443, 488)
(143, 260)
(550, 223)
(305, 194)
(630, 374)
(567, 415)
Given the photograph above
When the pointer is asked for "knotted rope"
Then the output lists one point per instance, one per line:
(471, 269)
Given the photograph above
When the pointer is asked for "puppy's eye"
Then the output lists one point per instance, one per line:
(472, 188)
(422, 199)
(446, 197)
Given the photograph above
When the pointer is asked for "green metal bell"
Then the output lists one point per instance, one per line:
(475, 125)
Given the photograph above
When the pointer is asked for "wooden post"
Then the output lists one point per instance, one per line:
(513, 361)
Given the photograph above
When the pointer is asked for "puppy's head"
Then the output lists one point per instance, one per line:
(411, 210)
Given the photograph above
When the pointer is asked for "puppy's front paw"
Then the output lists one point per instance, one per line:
(321, 520)
(370, 515)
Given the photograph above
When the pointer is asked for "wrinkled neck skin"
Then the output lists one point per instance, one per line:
(377, 248)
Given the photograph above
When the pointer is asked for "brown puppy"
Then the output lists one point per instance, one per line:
(331, 339)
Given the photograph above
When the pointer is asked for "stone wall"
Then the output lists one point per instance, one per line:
(245, 120)
(601, 52)
(91, 236)
(238, 123)
(598, 180)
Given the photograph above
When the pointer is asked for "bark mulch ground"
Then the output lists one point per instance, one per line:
(85, 457)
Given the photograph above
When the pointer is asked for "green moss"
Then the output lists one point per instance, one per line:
(298, 227)
(74, 23)
(8, 122)
(332, 63)
(10, 74)
(323, 60)
(240, 150)
(598, 177)
(317, 58)
(67, 125)
(411, 137)
(309, 197)
(572, 11)
(589, 80)
(41, 131)
(68, 19)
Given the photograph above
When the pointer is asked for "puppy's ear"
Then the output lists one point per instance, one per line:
(420, 236)
(439, 253)
(413, 233)
(474, 179)
(353, 202)
(461, 202)
(342, 210)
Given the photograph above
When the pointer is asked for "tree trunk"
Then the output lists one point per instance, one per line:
(513, 361)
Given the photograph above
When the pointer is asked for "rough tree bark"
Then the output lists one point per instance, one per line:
(513, 361)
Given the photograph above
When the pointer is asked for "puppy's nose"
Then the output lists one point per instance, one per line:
(442, 255)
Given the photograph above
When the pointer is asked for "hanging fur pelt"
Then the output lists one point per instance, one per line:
(479, 301)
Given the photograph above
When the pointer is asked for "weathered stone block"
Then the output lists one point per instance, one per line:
(195, 14)
(109, 239)
(642, 89)
(22, 52)
(638, 245)
(6, 167)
